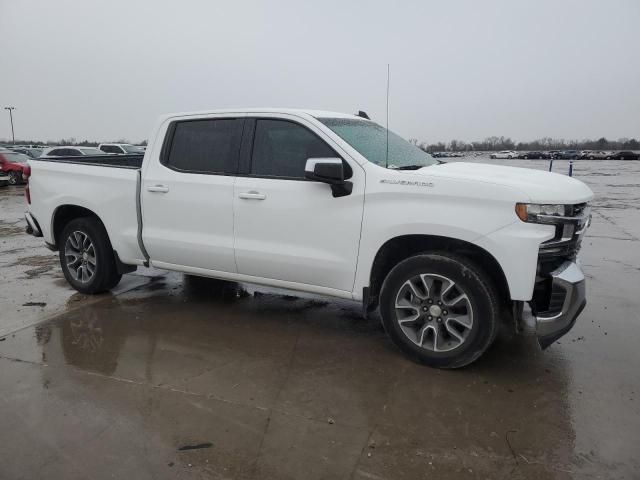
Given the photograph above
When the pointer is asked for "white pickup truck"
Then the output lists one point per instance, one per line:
(331, 204)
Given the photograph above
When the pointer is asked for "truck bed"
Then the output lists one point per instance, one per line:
(106, 185)
(133, 161)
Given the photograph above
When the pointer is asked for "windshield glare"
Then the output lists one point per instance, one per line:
(370, 140)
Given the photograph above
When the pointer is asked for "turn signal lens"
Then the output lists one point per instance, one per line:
(521, 211)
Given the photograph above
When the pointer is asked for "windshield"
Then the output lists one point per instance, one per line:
(16, 157)
(132, 149)
(91, 151)
(370, 140)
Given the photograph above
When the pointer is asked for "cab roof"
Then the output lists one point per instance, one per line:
(291, 111)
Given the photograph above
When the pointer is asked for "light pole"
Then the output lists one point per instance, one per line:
(11, 109)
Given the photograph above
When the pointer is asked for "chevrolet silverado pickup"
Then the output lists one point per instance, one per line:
(331, 204)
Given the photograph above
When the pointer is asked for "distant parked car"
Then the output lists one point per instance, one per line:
(12, 165)
(504, 154)
(121, 148)
(32, 152)
(535, 154)
(595, 155)
(567, 155)
(624, 155)
(71, 151)
(4, 180)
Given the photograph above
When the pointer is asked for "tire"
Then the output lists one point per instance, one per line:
(81, 240)
(431, 341)
(14, 178)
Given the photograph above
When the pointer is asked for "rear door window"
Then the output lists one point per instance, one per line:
(205, 146)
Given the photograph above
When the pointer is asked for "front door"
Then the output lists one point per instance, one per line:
(288, 228)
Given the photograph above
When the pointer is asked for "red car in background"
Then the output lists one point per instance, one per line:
(12, 164)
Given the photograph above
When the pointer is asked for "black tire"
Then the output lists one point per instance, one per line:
(105, 273)
(471, 280)
(15, 177)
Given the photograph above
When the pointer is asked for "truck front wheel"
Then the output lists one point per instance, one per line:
(440, 309)
(86, 256)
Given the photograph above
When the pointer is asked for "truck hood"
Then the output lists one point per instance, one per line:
(537, 185)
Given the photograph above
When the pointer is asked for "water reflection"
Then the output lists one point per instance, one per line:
(93, 340)
(220, 341)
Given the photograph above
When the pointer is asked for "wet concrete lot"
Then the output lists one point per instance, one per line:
(174, 377)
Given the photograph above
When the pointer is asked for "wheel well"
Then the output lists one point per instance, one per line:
(64, 214)
(400, 248)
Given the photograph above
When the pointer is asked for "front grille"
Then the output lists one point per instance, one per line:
(567, 240)
(578, 209)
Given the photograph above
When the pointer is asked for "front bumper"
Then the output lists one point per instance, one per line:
(567, 300)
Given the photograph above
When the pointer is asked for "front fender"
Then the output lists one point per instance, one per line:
(515, 247)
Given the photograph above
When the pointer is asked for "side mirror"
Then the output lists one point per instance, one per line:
(330, 171)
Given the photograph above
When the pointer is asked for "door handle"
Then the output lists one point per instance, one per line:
(252, 195)
(158, 188)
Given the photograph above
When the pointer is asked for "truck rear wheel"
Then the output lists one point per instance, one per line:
(439, 309)
(86, 256)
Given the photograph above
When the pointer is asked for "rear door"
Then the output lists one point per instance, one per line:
(286, 227)
(187, 196)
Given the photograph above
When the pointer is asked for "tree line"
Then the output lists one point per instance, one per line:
(491, 144)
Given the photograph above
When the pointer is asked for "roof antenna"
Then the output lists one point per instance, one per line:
(386, 163)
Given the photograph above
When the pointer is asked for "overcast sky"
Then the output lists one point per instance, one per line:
(459, 69)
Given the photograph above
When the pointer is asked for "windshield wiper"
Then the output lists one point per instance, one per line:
(408, 167)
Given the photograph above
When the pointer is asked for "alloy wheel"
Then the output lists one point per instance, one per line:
(80, 256)
(434, 312)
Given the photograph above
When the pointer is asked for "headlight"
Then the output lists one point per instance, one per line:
(535, 212)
